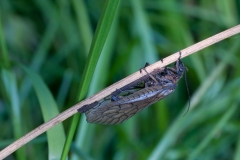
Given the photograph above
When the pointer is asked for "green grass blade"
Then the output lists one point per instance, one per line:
(144, 32)
(56, 135)
(237, 153)
(4, 57)
(98, 42)
(63, 90)
(83, 23)
(222, 122)
(10, 84)
(99, 39)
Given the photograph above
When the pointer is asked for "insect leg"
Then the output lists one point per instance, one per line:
(144, 68)
(180, 54)
(150, 75)
(87, 107)
(114, 96)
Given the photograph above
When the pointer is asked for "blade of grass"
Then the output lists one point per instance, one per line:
(84, 29)
(83, 23)
(99, 39)
(237, 152)
(210, 136)
(56, 135)
(10, 84)
(143, 29)
(64, 87)
(5, 59)
(68, 26)
(229, 13)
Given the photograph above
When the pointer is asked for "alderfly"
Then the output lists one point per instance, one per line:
(128, 100)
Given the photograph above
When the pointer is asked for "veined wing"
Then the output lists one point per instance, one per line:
(115, 112)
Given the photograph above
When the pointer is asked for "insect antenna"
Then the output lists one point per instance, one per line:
(185, 77)
(189, 97)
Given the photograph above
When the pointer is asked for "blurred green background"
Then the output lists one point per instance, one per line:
(52, 40)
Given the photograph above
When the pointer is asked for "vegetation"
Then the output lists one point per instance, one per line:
(45, 48)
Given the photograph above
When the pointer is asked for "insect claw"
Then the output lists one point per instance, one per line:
(147, 64)
(180, 54)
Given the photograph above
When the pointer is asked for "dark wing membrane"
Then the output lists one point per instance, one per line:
(118, 111)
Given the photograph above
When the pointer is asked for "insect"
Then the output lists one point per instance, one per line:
(125, 103)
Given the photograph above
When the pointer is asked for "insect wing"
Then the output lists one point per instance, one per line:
(118, 111)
